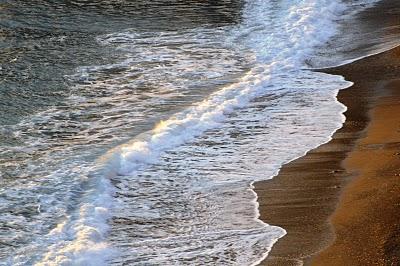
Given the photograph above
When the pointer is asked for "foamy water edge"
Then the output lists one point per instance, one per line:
(86, 235)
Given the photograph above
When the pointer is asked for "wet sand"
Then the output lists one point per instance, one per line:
(367, 219)
(340, 203)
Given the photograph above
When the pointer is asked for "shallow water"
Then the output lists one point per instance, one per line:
(131, 131)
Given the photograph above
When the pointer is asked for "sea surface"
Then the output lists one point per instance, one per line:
(131, 131)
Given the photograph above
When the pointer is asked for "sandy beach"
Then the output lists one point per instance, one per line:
(366, 221)
(340, 204)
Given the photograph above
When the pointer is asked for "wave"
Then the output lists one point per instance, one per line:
(301, 111)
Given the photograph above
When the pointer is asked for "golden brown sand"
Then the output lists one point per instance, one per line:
(367, 219)
(340, 204)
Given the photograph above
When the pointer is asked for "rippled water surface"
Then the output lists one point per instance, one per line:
(67, 97)
(131, 131)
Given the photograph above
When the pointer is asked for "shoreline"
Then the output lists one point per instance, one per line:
(366, 219)
(322, 199)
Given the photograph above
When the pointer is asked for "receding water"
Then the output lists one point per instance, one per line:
(131, 131)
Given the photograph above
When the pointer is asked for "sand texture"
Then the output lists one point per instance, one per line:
(340, 204)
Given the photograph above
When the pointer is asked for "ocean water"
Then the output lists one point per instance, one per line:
(132, 131)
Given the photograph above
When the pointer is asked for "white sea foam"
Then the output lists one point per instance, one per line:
(302, 110)
(80, 240)
(303, 30)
